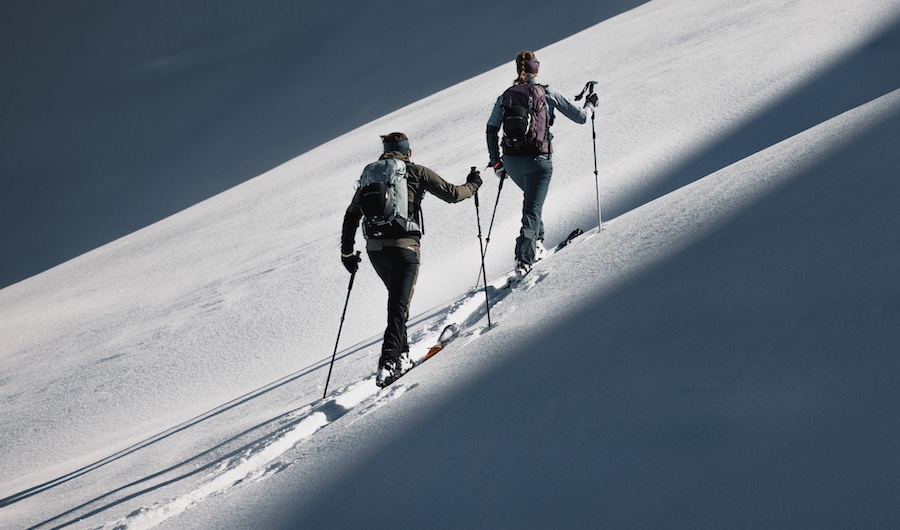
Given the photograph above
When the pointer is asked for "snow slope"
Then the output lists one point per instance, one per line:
(722, 354)
(118, 114)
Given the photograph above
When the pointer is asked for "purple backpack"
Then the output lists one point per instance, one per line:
(526, 130)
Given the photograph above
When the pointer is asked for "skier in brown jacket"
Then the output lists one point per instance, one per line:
(394, 248)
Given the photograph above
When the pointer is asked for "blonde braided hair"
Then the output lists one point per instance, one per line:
(521, 59)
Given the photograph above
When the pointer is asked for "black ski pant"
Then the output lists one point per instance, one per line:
(398, 268)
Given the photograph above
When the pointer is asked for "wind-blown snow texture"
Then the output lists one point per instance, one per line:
(722, 355)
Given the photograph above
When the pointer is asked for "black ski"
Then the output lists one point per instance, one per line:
(575, 233)
(515, 280)
(448, 335)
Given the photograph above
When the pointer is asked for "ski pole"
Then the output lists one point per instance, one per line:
(487, 240)
(487, 300)
(596, 174)
(343, 314)
(589, 89)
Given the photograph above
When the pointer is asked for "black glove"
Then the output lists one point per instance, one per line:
(351, 262)
(592, 100)
(474, 178)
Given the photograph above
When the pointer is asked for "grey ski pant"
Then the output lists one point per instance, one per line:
(532, 175)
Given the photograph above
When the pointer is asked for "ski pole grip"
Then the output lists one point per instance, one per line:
(588, 89)
(353, 275)
(473, 170)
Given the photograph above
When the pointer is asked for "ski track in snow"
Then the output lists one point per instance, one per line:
(260, 459)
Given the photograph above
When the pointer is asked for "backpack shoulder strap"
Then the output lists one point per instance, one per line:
(417, 198)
